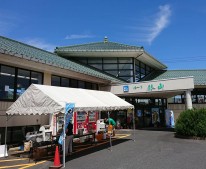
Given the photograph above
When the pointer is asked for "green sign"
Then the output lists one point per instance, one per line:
(161, 86)
(151, 87)
(137, 87)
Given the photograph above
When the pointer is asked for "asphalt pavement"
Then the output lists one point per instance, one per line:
(150, 150)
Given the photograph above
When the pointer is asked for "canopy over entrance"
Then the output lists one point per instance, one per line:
(42, 99)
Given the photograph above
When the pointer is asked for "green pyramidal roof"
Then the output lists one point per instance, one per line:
(18, 49)
(109, 49)
(99, 46)
(199, 75)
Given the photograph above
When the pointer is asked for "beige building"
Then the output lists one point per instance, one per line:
(127, 71)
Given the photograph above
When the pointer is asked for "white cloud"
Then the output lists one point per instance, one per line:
(79, 36)
(160, 23)
(40, 43)
(155, 26)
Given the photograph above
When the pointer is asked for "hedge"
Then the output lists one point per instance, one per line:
(191, 123)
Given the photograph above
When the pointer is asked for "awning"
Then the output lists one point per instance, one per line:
(42, 99)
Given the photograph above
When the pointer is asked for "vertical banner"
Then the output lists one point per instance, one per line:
(69, 108)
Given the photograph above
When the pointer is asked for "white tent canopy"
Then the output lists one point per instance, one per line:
(42, 99)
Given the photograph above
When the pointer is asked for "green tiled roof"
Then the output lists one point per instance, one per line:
(18, 49)
(99, 46)
(199, 75)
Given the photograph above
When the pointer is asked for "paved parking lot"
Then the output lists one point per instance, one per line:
(151, 150)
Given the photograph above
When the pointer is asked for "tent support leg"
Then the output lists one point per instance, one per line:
(110, 137)
(5, 137)
(133, 126)
(64, 133)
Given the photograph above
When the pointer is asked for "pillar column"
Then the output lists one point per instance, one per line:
(188, 99)
(47, 79)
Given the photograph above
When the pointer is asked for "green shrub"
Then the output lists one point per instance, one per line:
(191, 123)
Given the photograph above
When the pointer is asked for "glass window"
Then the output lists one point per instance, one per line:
(94, 60)
(36, 78)
(125, 66)
(138, 75)
(55, 81)
(127, 79)
(109, 60)
(137, 68)
(200, 98)
(94, 86)
(142, 71)
(142, 76)
(183, 98)
(110, 66)
(137, 79)
(7, 78)
(194, 99)
(81, 84)
(160, 102)
(137, 62)
(112, 72)
(171, 100)
(126, 73)
(98, 66)
(143, 101)
(178, 99)
(88, 85)
(156, 102)
(73, 83)
(83, 60)
(165, 102)
(125, 60)
(147, 69)
(142, 65)
(64, 82)
(23, 81)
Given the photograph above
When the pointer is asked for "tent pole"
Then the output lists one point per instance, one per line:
(64, 133)
(110, 137)
(133, 126)
(5, 137)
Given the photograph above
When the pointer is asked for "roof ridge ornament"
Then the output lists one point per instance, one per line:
(105, 39)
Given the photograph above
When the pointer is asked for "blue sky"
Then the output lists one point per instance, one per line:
(173, 31)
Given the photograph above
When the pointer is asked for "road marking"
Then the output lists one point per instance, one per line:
(33, 164)
(23, 166)
(13, 160)
(12, 166)
(123, 135)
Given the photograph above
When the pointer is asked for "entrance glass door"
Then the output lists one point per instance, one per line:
(144, 118)
(147, 117)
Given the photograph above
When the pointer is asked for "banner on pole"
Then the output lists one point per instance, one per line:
(69, 109)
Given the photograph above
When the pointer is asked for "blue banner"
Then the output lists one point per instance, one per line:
(69, 109)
